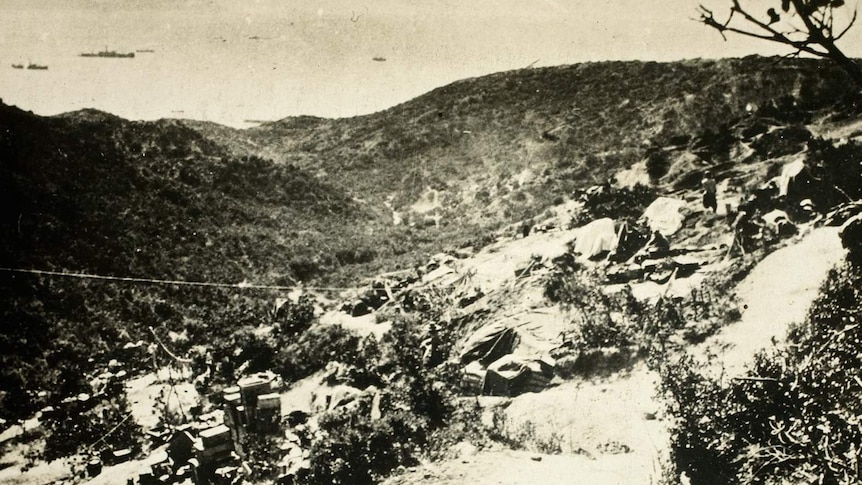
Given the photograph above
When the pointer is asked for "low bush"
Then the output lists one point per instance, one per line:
(320, 345)
(614, 202)
(351, 448)
(605, 319)
(794, 418)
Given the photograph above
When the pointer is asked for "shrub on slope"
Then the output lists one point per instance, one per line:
(794, 418)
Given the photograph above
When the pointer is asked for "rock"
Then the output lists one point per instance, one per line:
(464, 449)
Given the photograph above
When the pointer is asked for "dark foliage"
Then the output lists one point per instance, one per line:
(356, 450)
(794, 418)
(614, 202)
(102, 422)
(836, 171)
(612, 320)
(318, 346)
(657, 164)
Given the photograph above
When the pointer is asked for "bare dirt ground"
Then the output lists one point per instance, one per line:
(776, 293)
(508, 467)
(150, 393)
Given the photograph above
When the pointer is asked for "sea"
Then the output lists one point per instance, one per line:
(223, 64)
(243, 62)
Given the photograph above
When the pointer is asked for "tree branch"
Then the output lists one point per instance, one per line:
(814, 32)
(776, 36)
(852, 21)
(815, 36)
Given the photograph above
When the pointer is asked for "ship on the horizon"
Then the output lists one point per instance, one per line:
(36, 67)
(107, 53)
(17, 66)
(145, 50)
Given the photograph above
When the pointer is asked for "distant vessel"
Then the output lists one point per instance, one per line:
(17, 66)
(145, 50)
(379, 59)
(107, 53)
(36, 67)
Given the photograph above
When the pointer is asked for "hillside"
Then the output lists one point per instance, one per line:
(556, 210)
(91, 191)
(506, 145)
(87, 191)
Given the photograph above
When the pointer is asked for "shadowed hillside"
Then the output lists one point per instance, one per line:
(90, 192)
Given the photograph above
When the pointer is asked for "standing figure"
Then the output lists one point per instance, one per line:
(708, 184)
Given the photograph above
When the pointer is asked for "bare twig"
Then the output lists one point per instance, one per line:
(850, 24)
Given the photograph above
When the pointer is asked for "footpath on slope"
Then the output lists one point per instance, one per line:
(776, 294)
(595, 419)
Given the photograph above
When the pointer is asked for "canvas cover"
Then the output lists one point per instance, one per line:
(664, 215)
(596, 238)
(489, 344)
(512, 375)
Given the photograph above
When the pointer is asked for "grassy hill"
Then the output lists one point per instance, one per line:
(506, 145)
(89, 192)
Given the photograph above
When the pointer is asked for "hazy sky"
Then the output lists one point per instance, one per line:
(228, 59)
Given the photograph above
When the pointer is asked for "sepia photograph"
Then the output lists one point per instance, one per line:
(442, 242)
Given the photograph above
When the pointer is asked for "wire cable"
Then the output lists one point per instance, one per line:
(171, 282)
(241, 286)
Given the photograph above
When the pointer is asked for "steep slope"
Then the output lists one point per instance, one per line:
(90, 192)
(508, 144)
(777, 293)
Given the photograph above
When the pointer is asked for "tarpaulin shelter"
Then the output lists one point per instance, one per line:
(596, 238)
(664, 215)
(489, 344)
(512, 375)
